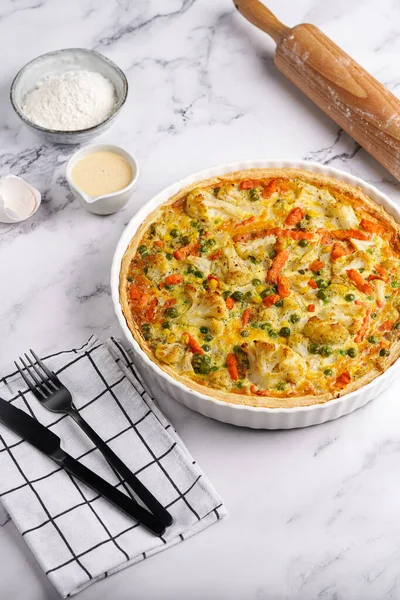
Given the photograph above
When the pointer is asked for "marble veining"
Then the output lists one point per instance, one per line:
(313, 513)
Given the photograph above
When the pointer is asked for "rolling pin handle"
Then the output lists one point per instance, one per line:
(258, 14)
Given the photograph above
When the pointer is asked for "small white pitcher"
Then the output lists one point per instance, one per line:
(106, 204)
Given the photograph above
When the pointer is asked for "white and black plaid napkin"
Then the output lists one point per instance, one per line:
(77, 536)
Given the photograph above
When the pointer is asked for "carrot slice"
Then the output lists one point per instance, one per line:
(232, 364)
(359, 282)
(342, 234)
(294, 234)
(277, 265)
(248, 184)
(317, 265)
(386, 325)
(143, 300)
(229, 303)
(312, 284)
(134, 293)
(311, 308)
(269, 189)
(372, 226)
(343, 379)
(159, 243)
(151, 309)
(283, 286)
(295, 216)
(216, 255)
(271, 299)
(193, 344)
(338, 251)
(173, 279)
(170, 302)
(363, 329)
(245, 222)
(182, 253)
(246, 317)
(381, 273)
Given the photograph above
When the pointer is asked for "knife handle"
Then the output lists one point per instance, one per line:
(114, 496)
(137, 486)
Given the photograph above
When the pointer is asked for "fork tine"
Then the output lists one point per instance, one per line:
(28, 381)
(49, 373)
(46, 381)
(38, 385)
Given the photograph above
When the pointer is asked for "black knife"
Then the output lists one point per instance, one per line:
(50, 444)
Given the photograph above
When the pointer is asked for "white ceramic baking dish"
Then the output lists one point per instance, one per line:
(160, 383)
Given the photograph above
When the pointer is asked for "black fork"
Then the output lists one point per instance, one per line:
(54, 396)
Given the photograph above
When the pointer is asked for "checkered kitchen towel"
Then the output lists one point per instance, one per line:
(77, 536)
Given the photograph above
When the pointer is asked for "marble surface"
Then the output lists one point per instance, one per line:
(313, 513)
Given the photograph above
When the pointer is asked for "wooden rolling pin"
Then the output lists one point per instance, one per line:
(335, 82)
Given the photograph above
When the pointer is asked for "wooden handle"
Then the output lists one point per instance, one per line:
(261, 17)
(340, 87)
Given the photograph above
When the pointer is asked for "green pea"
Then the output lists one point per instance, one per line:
(168, 287)
(374, 316)
(266, 292)
(171, 312)
(195, 224)
(373, 339)
(326, 351)
(216, 191)
(328, 372)
(204, 329)
(130, 279)
(322, 294)
(174, 233)
(185, 240)
(248, 296)
(244, 333)
(303, 243)
(280, 386)
(279, 303)
(294, 318)
(361, 270)
(272, 334)
(253, 259)
(205, 284)
(256, 282)
(342, 352)
(201, 364)
(397, 326)
(265, 326)
(254, 195)
(313, 348)
(226, 294)
(208, 337)
(272, 254)
(284, 332)
(146, 330)
(143, 250)
(384, 352)
(352, 352)
(307, 218)
(206, 347)
(169, 256)
(198, 274)
(166, 325)
(254, 325)
(152, 229)
(349, 297)
(395, 284)
(237, 295)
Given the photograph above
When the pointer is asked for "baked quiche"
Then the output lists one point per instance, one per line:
(269, 287)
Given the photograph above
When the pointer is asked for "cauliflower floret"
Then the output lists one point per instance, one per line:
(202, 204)
(231, 268)
(258, 248)
(346, 216)
(362, 245)
(270, 363)
(185, 365)
(320, 332)
(169, 353)
(206, 311)
(379, 286)
(158, 267)
(201, 263)
(220, 379)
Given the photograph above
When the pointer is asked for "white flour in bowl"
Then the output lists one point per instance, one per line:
(70, 101)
